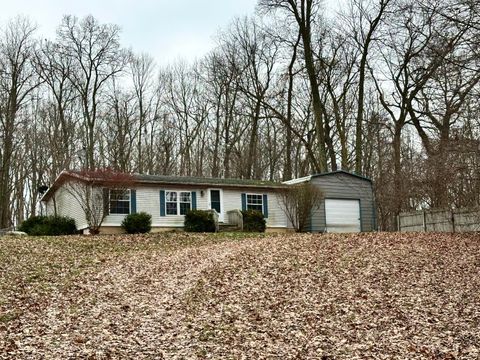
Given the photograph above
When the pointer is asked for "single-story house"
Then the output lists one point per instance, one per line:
(347, 205)
(167, 199)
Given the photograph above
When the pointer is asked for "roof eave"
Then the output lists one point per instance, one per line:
(219, 185)
(64, 174)
(342, 172)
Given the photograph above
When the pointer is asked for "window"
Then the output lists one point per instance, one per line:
(177, 203)
(255, 202)
(119, 201)
(185, 202)
(171, 202)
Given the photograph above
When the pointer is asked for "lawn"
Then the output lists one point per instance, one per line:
(184, 296)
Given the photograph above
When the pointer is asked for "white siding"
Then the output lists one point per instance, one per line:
(148, 200)
(67, 205)
(276, 216)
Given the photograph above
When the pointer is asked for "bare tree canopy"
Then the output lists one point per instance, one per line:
(388, 89)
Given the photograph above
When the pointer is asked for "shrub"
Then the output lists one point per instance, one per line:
(40, 230)
(48, 226)
(199, 221)
(253, 221)
(30, 223)
(298, 202)
(61, 225)
(138, 223)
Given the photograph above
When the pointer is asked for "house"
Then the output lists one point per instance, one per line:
(167, 199)
(348, 203)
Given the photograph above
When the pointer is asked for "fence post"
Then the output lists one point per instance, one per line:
(453, 221)
(424, 221)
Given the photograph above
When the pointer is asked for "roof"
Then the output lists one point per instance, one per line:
(166, 180)
(190, 180)
(309, 177)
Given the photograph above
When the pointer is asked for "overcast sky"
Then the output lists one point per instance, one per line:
(166, 29)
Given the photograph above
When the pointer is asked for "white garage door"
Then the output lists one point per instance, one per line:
(342, 215)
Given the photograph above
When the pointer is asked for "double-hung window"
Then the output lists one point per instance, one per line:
(119, 201)
(177, 202)
(255, 202)
(171, 202)
(185, 202)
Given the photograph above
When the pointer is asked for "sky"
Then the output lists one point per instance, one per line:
(166, 29)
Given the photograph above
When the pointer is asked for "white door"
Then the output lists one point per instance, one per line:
(342, 215)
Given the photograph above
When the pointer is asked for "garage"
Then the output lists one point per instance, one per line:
(342, 215)
(347, 203)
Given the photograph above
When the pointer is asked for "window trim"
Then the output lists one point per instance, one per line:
(129, 201)
(256, 194)
(178, 202)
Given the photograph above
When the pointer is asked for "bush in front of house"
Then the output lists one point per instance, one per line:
(48, 226)
(199, 221)
(138, 223)
(27, 225)
(253, 221)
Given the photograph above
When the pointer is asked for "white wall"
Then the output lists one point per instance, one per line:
(276, 216)
(148, 200)
(67, 205)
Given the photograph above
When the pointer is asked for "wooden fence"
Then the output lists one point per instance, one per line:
(440, 220)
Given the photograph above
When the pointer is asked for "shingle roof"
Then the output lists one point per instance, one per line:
(165, 179)
(169, 180)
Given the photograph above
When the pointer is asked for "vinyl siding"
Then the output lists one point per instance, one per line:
(148, 200)
(276, 216)
(67, 205)
(344, 186)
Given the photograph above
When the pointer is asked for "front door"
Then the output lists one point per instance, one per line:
(216, 202)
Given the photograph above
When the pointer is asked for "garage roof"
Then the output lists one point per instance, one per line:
(309, 177)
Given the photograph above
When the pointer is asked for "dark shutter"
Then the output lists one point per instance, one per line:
(265, 205)
(162, 202)
(244, 202)
(194, 200)
(133, 201)
(106, 201)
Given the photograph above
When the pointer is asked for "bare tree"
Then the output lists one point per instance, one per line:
(141, 69)
(96, 56)
(53, 69)
(17, 81)
(91, 188)
(305, 13)
(298, 201)
(366, 18)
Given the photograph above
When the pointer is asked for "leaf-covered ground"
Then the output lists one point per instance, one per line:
(183, 296)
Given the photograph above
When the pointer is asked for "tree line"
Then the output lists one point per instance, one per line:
(388, 89)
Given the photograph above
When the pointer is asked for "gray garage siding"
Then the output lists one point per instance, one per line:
(344, 186)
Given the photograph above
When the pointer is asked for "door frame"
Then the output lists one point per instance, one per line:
(222, 208)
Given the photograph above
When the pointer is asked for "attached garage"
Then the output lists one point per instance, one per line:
(347, 205)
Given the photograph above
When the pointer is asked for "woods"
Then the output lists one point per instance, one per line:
(388, 89)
